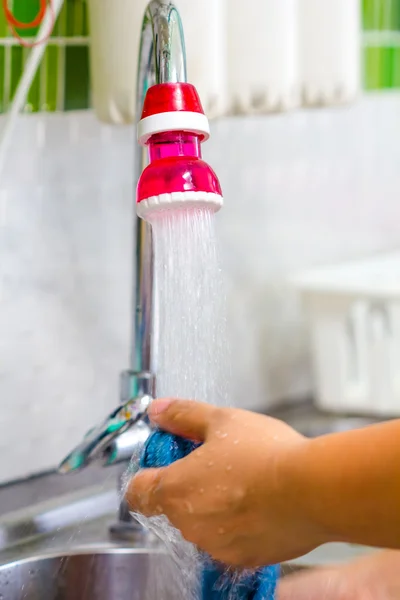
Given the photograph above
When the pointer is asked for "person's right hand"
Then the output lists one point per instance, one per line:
(373, 577)
(232, 497)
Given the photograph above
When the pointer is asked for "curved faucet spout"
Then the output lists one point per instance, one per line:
(162, 59)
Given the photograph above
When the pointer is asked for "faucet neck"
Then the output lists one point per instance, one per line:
(174, 143)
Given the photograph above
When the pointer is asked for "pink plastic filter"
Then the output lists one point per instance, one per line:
(173, 126)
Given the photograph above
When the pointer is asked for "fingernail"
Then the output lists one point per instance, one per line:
(158, 406)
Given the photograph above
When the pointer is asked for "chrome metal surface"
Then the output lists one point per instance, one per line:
(135, 385)
(123, 447)
(98, 439)
(117, 574)
(97, 573)
(162, 59)
(40, 523)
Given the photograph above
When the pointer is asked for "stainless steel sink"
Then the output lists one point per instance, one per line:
(93, 574)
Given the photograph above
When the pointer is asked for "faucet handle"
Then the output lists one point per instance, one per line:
(97, 439)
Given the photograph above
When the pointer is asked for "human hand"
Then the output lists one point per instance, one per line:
(231, 496)
(373, 577)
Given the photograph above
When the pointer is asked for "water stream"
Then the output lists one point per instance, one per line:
(192, 344)
(192, 350)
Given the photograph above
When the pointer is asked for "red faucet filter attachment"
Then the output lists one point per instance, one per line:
(173, 126)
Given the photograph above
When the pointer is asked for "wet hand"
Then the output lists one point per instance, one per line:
(230, 496)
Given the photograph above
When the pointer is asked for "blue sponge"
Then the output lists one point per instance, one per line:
(161, 450)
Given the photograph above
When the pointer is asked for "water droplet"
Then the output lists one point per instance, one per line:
(236, 442)
(229, 468)
(210, 464)
(221, 531)
(201, 490)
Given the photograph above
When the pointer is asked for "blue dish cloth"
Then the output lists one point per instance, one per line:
(161, 450)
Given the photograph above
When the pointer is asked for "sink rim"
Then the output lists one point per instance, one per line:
(95, 549)
(83, 550)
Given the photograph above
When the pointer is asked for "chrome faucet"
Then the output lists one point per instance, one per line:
(161, 59)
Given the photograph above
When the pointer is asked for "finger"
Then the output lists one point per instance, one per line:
(144, 492)
(186, 418)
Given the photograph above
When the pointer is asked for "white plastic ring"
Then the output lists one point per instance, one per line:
(172, 121)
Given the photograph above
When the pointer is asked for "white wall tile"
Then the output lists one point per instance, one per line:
(300, 189)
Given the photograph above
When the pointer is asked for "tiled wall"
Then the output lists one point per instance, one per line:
(306, 188)
(62, 81)
(301, 189)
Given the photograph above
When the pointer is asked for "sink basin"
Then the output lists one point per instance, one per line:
(92, 574)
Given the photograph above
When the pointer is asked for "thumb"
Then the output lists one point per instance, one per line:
(144, 492)
(186, 418)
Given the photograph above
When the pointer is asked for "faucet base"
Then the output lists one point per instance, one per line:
(135, 384)
(127, 528)
(127, 532)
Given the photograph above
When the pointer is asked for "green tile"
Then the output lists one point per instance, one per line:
(389, 16)
(368, 14)
(16, 68)
(85, 18)
(75, 18)
(2, 62)
(386, 68)
(60, 26)
(396, 68)
(76, 95)
(51, 65)
(70, 16)
(26, 11)
(396, 16)
(385, 14)
(374, 11)
(56, 27)
(33, 98)
(80, 14)
(3, 24)
(372, 68)
(381, 14)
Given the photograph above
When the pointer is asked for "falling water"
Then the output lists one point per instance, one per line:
(192, 352)
(191, 345)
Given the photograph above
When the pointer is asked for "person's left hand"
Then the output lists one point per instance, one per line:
(373, 577)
